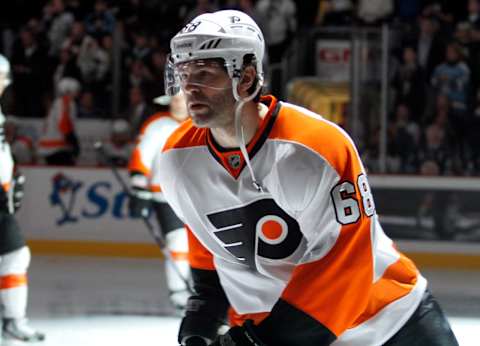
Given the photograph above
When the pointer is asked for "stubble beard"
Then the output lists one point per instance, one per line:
(219, 113)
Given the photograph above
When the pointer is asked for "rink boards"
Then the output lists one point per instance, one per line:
(83, 211)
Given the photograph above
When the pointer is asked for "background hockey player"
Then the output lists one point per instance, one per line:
(59, 143)
(152, 137)
(119, 146)
(282, 218)
(14, 254)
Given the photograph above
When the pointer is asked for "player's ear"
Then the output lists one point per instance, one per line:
(248, 79)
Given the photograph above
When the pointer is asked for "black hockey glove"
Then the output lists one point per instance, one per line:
(140, 202)
(240, 336)
(195, 341)
(7, 200)
(18, 187)
(3, 201)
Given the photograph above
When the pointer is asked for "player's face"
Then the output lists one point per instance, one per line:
(208, 93)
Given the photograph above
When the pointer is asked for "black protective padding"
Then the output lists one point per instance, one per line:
(207, 309)
(289, 326)
(11, 238)
(166, 217)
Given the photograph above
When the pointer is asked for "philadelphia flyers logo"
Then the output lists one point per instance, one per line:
(261, 225)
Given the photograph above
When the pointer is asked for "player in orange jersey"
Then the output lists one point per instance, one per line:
(283, 224)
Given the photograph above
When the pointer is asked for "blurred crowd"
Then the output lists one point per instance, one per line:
(103, 45)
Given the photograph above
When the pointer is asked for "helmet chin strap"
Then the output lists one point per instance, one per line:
(239, 132)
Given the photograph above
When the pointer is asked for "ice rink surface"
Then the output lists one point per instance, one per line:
(79, 301)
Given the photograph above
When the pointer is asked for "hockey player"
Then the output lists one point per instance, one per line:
(153, 134)
(14, 254)
(282, 218)
(59, 143)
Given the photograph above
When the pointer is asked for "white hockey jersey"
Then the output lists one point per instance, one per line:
(150, 141)
(59, 122)
(311, 238)
(6, 160)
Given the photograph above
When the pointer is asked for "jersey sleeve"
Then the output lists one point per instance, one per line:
(6, 163)
(66, 115)
(339, 283)
(150, 141)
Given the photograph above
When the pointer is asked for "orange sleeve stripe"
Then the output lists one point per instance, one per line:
(136, 165)
(65, 125)
(13, 281)
(6, 186)
(151, 119)
(179, 256)
(198, 256)
(155, 188)
(236, 319)
(342, 276)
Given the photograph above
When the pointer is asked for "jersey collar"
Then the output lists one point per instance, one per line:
(232, 159)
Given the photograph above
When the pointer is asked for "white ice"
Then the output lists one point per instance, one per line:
(80, 301)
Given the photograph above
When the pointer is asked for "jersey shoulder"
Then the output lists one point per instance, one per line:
(186, 136)
(156, 120)
(303, 127)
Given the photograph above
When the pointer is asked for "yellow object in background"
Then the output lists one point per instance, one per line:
(330, 100)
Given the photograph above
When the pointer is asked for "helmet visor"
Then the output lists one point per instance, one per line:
(202, 73)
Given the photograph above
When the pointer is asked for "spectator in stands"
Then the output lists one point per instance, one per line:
(473, 18)
(404, 135)
(21, 146)
(138, 109)
(409, 83)
(463, 37)
(67, 67)
(157, 65)
(279, 24)
(140, 49)
(101, 21)
(94, 63)
(444, 13)
(119, 147)
(29, 75)
(76, 38)
(59, 21)
(58, 143)
(434, 148)
(444, 119)
(473, 138)
(452, 78)
(428, 45)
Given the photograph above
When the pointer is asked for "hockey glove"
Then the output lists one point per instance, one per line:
(3, 201)
(239, 336)
(195, 341)
(19, 183)
(140, 202)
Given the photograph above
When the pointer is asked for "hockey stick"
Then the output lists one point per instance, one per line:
(157, 235)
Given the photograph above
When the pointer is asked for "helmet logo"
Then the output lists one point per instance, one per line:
(211, 44)
(234, 19)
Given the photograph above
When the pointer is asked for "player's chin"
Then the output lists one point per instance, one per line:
(201, 120)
